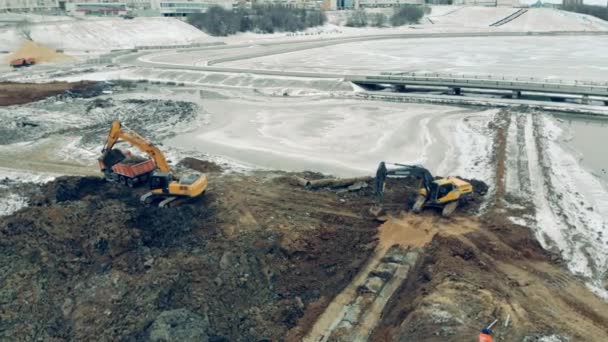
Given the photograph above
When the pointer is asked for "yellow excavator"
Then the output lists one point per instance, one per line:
(164, 185)
(445, 193)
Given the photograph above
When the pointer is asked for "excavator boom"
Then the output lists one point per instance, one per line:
(117, 133)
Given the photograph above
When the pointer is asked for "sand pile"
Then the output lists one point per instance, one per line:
(41, 53)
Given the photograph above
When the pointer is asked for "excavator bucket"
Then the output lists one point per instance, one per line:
(113, 157)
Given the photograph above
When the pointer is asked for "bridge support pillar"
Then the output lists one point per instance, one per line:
(585, 99)
(516, 94)
(455, 91)
(400, 88)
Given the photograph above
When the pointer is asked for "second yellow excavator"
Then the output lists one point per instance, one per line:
(165, 187)
(445, 193)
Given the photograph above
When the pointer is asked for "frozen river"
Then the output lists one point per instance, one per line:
(564, 57)
(342, 137)
(584, 136)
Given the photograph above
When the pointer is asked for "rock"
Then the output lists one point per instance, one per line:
(372, 285)
(357, 186)
(225, 260)
(67, 307)
(179, 325)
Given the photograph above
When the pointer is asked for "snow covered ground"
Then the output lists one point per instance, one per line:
(564, 57)
(102, 34)
(105, 34)
(570, 203)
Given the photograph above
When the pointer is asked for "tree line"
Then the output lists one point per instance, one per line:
(218, 21)
(596, 11)
(402, 15)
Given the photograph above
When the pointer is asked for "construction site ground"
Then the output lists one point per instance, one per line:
(12, 93)
(261, 258)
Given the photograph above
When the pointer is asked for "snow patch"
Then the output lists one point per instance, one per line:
(11, 203)
(571, 205)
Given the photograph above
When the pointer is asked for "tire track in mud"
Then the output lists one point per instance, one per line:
(572, 231)
(538, 195)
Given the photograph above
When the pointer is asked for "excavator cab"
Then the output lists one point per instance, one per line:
(161, 180)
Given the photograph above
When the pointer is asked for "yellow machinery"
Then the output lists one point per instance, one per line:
(445, 193)
(164, 186)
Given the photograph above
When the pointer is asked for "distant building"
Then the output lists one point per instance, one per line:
(138, 4)
(488, 3)
(96, 9)
(388, 3)
(182, 8)
(28, 5)
(307, 4)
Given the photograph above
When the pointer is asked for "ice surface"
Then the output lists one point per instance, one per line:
(564, 57)
(342, 137)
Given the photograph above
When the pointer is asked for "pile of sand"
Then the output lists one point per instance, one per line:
(41, 53)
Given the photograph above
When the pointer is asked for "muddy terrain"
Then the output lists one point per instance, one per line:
(245, 261)
(12, 93)
(260, 257)
(263, 255)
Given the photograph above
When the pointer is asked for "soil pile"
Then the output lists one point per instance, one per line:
(40, 53)
(200, 165)
(87, 262)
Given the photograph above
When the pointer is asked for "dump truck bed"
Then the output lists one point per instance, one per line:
(134, 170)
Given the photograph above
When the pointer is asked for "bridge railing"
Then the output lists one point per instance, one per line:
(478, 77)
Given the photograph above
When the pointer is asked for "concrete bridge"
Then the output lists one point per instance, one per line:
(456, 83)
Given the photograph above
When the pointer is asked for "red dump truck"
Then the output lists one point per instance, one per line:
(129, 172)
(22, 62)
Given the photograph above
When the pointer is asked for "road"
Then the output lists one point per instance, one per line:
(208, 59)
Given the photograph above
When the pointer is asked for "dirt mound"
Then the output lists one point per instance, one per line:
(92, 263)
(41, 53)
(204, 166)
(19, 93)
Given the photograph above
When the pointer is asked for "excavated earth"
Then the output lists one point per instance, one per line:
(87, 262)
(12, 93)
(261, 258)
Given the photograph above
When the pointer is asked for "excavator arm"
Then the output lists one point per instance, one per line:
(401, 171)
(117, 133)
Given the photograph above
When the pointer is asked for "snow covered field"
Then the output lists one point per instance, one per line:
(570, 203)
(574, 58)
(105, 34)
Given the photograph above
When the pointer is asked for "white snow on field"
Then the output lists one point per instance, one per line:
(470, 16)
(106, 34)
(535, 19)
(564, 57)
(32, 18)
(11, 203)
(547, 19)
(29, 176)
(474, 141)
(571, 204)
